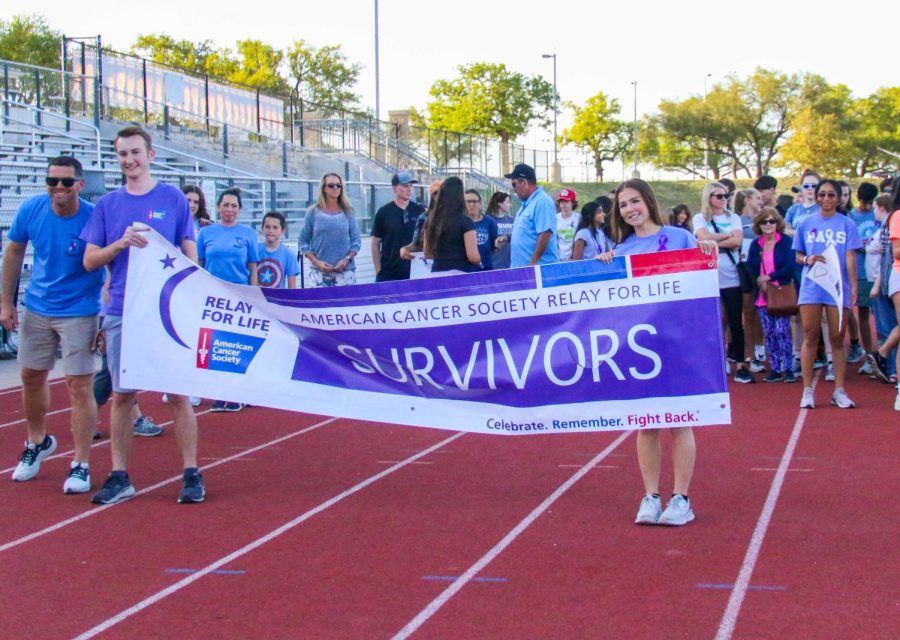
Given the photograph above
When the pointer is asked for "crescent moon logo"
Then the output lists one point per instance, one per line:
(165, 302)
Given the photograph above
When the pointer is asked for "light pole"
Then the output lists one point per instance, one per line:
(377, 79)
(555, 172)
(634, 172)
(706, 144)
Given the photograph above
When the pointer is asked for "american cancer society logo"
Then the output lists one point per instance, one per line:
(226, 351)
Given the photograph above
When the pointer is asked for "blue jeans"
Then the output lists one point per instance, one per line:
(885, 321)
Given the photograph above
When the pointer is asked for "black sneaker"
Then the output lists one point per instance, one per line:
(218, 405)
(773, 376)
(743, 376)
(193, 490)
(117, 487)
(879, 366)
(233, 407)
(789, 376)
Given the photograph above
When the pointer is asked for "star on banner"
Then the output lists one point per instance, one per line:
(168, 262)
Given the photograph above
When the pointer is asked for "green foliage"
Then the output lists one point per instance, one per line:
(323, 76)
(194, 57)
(258, 66)
(596, 129)
(487, 99)
(30, 40)
(879, 129)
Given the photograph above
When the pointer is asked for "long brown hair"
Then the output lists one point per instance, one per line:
(451, 202)
(621, 229)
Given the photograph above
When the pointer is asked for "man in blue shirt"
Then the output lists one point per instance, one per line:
(534, 231)
(62, 304)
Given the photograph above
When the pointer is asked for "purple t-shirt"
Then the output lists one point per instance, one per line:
(813, 236)
(164, 208)
(667, 239)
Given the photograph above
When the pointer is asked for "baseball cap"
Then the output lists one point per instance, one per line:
(522, 171)
(566, 195)
(404, 177)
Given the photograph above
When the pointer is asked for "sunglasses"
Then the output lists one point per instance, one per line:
(333, 185)
(827, 194)
(812, 185)
(720, 196)
(66, 182)
(768, 222)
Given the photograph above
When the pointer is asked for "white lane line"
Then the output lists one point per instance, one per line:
(231, 557)
(66, 454)
(101, 508)
(507, 540)
(736, 600)
(49, 413)
(18, 388)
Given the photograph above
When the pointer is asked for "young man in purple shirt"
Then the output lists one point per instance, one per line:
(115, 229)
(61, 307)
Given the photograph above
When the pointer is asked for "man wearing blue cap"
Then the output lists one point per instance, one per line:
(534, 231)
(393, 229)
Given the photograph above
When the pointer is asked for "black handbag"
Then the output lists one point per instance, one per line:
(743, 269)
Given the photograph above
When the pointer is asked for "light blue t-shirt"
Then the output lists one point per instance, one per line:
(537, 215)
(666, 239)
(594, 243)
(799, 212)
(227, 251)
(866, 226)
(60, 287)
(164, 208)
(812, 238)
(275, 267)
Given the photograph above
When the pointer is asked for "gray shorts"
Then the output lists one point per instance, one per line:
(112, 334)
(41, 336)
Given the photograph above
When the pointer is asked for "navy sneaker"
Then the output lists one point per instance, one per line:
(193, 490)
(218, 405)
(774, 376)
(144, 426)
(117, 487)
(233, 407)
(789, 376)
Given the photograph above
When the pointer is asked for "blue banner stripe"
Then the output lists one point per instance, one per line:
(581, 271)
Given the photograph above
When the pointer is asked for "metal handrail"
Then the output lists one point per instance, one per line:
(54, 114)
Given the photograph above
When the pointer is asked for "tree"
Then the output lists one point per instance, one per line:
(489, 100)
(258, 66)
(194, 57)
(878, 130)
(597, 130)
(742, 120)
(824, 133)
(30, 40)
(323, 76)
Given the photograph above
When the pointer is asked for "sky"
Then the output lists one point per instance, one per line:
(669, 49)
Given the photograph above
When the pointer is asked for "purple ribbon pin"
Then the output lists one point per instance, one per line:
(663, 242)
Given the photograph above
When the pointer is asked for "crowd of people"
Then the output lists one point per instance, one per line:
(777, 318)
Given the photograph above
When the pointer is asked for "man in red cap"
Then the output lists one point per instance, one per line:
(566, 222)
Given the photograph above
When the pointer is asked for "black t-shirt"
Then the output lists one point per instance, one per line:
(451, 248)
(395, 227)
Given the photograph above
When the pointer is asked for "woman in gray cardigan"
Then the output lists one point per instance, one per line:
(329, 239)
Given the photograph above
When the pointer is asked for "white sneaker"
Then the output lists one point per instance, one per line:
(31, 458)
(866, 369)
(649, 511)
(897, 401)
(829, 373)
(756, 366)
(165, 398)
(807, 400)
(78, 480)
(840, 399)
(678, 512)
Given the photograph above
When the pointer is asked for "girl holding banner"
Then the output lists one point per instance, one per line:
(826, 245)
(637, 227)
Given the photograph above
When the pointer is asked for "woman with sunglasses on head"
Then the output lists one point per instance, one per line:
(771, 260)
(814, 235)
(723, 227)
(637, 227)
(806, 204)
(329, 239)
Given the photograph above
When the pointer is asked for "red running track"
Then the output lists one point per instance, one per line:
(318, 528)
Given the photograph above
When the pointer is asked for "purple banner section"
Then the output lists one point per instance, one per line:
(611, 354)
